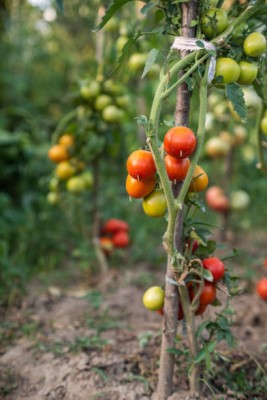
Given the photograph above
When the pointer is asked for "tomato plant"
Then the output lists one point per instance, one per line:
(176, 194)
(154, 204)
(141, 165)
(180, 142)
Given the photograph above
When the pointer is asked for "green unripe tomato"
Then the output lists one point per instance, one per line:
(255, 44)
(76, 185)
(155, 205)
(137, 62)
(228, 69)
(53, 184)
(52, 198)
(248, 73)
(214, 22)
(264, 125)
(90, 90)
(239, 200)
(102, 102)
(153, 298)
(113, 88)
(88, 179)
(123, 101)
(112, 114)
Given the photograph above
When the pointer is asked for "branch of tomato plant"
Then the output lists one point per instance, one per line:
(249, 11)
(152, 138)
(183, 291)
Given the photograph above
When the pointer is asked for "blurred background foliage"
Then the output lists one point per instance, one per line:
(46, 54)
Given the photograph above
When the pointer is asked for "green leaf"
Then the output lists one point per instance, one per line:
(111, 10)
(207, 275)
(205, 352)
(236, 96)
(177, 351)
(193, 23)
(151, 58)
(142, 121)
(200, 44)
(125, 51)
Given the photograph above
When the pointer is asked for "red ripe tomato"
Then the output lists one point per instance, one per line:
(139, 189)
(208, 294)
(114, 225)
(215, 266)
(121, 240)
(141, 165)
(217, 200)
(180, 142)
(176, 168)
(262, 288)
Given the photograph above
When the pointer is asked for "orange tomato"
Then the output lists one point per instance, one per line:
(58, 153)
(139, 189)
(66, 140)
(199, 181)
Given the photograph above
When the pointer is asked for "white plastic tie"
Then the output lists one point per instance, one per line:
(173, 282)
(182, 43)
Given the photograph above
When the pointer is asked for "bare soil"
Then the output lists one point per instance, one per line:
(80, 342)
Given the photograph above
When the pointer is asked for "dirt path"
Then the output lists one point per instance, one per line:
(79, 343)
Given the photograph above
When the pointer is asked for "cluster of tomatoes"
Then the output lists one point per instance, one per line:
(218, 201)
(141, 182)
(245, 71)
(114, 234)
(104, 99)
(70, 173)
(153, 298)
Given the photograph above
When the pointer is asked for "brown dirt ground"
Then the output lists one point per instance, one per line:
(58, 344)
